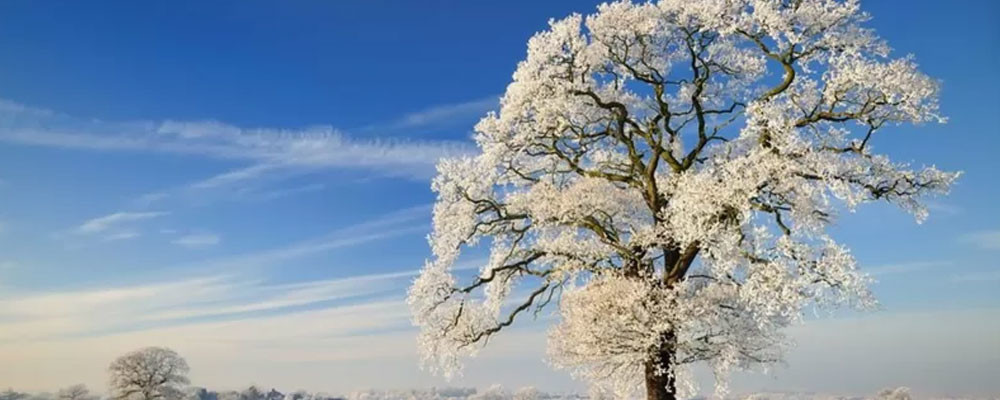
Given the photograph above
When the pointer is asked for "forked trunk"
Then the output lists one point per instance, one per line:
(660, 383)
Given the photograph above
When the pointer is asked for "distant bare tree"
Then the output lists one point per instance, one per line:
(10, 394)
(252, 393)
(152, 373)
(75, 392)
(899, 393)
(527, 393)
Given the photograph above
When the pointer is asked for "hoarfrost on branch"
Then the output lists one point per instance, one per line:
(667, 171)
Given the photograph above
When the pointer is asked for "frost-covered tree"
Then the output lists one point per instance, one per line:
(899, 393)
(527, 393)
(667, 171)
(494, 392)
(252, 393)
(152, 373)
(199, 393)
(75, 392)
(10, 394)
(274, 394)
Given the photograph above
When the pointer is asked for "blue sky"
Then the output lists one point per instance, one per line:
(248, 182)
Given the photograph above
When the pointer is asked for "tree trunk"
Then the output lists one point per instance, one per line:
(660, 383)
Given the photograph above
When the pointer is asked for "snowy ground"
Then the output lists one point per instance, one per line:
(499, 393)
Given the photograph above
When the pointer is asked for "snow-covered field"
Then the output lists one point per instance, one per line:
(495, 392)
(528, 393)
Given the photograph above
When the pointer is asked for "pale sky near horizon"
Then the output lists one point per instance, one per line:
(248, 183)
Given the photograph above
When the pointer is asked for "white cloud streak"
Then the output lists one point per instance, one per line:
(977, 277)
(265, 153)
(443, 114)
(236, 175)
(104, 223)
(285, 192)
(109, 311)
(198, 240)
(402, 222)
(986, 240)
(939, 207)
(905, 267)
(229, 286)
(126, 235)
(265, 148)
(290, 295)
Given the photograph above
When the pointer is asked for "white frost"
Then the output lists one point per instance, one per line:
(665, 172)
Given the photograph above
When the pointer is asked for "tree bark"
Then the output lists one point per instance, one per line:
(660, 383)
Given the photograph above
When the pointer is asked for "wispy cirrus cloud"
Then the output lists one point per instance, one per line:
(226, 287)
(940, 207)
(236, 175)
(340, 332)
(285, 192)
(264, 148)
(442, 114)
(407, 221)
(986, 240)
(279, 296)
(222, 289)
(126, 235)
(198, 240)
(906, 267)
(116, 220)
(973, 277)
(266, 154)
(103, 311)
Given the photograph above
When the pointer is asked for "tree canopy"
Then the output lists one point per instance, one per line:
(667, 171)
(152, 373)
